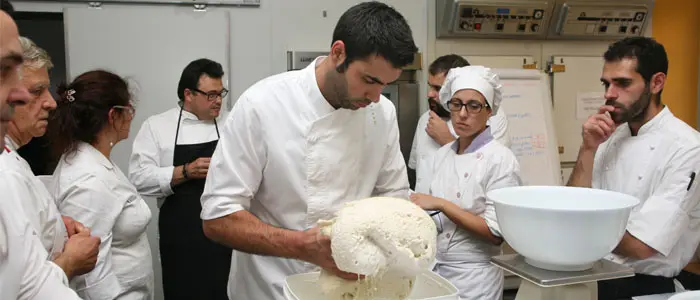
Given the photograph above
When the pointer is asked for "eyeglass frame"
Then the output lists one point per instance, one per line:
(210, 95)
(130, 109)
(462, 105)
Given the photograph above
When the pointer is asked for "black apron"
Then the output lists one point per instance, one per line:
(639, 285)
(193, 266)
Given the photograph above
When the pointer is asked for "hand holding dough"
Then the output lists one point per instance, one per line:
(390, 240)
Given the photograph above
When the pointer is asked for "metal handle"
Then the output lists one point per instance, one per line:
(562, 18)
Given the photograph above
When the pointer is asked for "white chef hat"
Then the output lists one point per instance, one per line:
(477, 78)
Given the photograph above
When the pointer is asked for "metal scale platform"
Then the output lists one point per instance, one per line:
(540, 284)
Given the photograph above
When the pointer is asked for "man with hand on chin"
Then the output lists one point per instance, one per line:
(635, 145)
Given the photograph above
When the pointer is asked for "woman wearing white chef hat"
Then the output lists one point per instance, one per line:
(463, 171)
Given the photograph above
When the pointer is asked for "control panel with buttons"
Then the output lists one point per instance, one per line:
(519, 19)
(542, 19)
(599, 21)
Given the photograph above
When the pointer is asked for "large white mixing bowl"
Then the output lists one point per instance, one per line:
(562, 228)
(691, 295)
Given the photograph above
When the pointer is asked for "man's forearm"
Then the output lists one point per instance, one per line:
(582, 175)
(632, 247)
(178, 177)
(245, 232)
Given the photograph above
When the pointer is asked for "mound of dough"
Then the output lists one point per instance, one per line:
(389, 240)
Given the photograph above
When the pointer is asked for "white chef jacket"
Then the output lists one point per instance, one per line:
(25, 273)
(91, 189)
(655, 166)
(464, 179)
(38, 203)
(424, 147)
(290, 158)
(151, 163)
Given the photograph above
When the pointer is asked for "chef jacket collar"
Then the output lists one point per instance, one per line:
(104, 161)
(319, 103)
(480, 141)
(656, 122)
(10, 144)
(186, 115)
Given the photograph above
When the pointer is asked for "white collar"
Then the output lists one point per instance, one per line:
(92, 151)
(319, 103)
(655, 122)
(186, 115)
(10, 144)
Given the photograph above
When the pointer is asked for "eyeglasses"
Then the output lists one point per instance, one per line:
(129, 109)
(473, 106)
(211, 96)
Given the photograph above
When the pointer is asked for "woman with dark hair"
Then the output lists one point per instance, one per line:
(93, 114)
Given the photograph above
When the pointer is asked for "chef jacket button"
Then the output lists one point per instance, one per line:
(448, 235)
(466, 174)
(459, 195)
(639, 177)
(651, 147)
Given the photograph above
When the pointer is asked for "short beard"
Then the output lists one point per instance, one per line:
(636, 111)
(337, 88)
(439, 109)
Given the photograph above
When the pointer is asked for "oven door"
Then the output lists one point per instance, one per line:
(405, 98)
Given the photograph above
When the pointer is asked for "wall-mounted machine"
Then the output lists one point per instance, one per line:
(542, 19)
(493, 19)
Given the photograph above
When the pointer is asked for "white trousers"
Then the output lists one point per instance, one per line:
(475, 281)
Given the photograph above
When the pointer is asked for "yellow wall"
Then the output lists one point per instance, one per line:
(676, 24)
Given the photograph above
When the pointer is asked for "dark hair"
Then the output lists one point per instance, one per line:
(7, 7)
(651, 56)
(83, 107)
(374, 28)
(194, 70)
(446, 62)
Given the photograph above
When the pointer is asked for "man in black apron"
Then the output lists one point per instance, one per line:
(193, 266)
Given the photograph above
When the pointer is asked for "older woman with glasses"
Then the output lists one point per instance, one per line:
(94, 113)
(463, 171)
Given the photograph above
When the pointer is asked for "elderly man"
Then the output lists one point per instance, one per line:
(635, 145)
(30, 120)
(25, 272)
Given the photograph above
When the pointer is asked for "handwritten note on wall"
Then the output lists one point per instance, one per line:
(525, 102)
(529, 145)
(588, 104)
